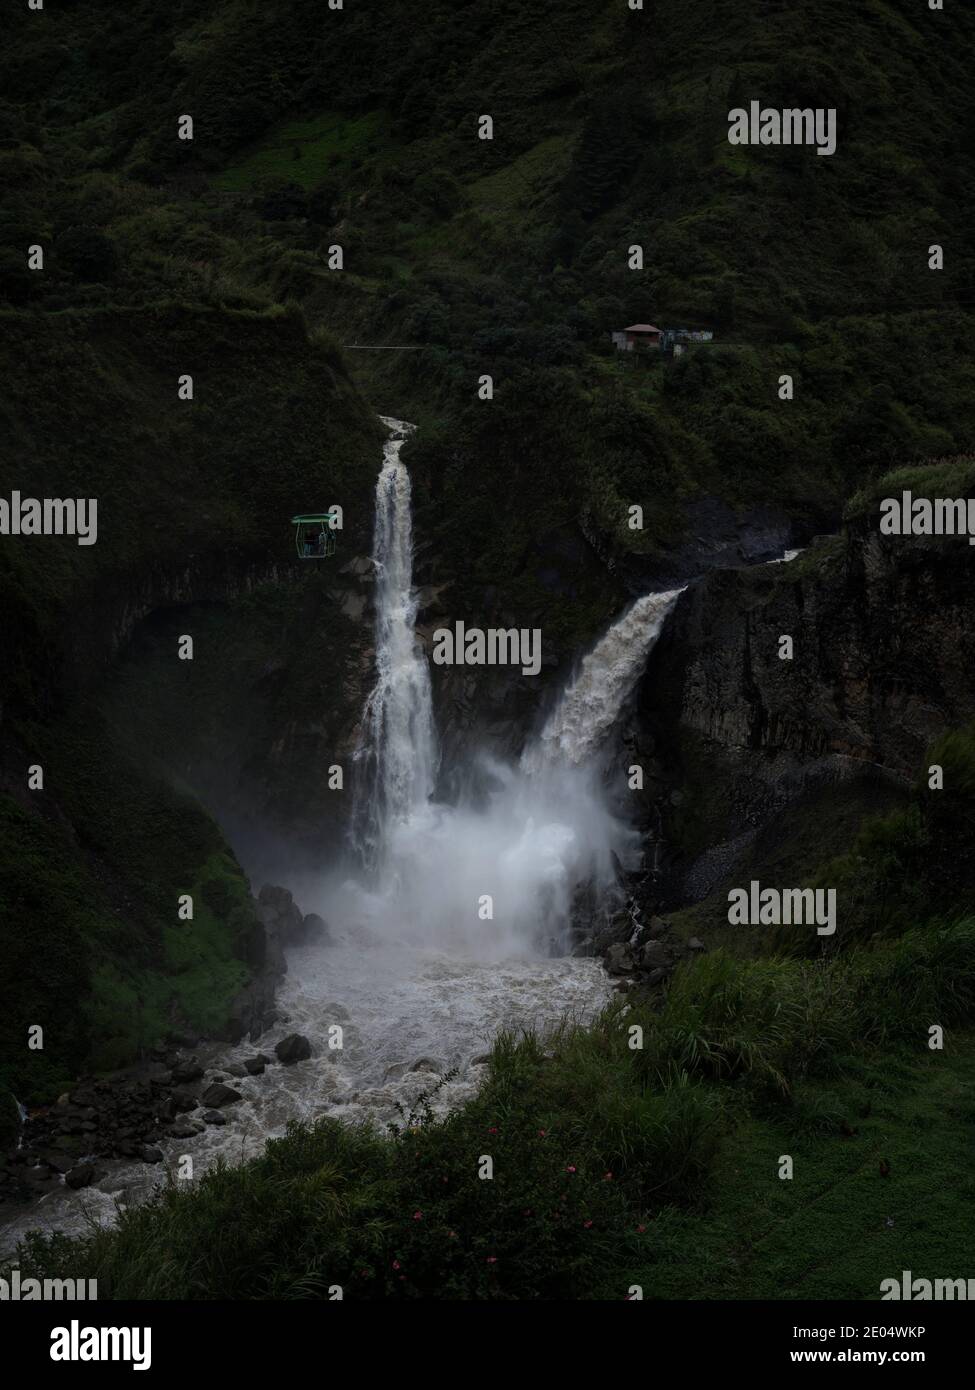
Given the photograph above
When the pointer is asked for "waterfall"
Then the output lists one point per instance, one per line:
(590, 705)
(421, 974)
(397, 753)
(495, 876)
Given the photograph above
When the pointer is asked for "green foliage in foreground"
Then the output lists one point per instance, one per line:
(605, 1157)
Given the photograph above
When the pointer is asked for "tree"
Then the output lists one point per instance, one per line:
(87, 253)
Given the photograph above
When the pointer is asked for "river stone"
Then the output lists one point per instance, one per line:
(315, 928)
(619, 960)
(215, 1117)
(654, 955)
(235, 1069)
(61, 1163)
(187, 1071)
(696, 944)
(151, 1154)
(293, 1048)
(254, 1066)
(182, 1129)
(82, 1176)
(218, 1094)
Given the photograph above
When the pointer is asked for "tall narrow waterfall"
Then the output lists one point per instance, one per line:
(497, 876)
(398, 748)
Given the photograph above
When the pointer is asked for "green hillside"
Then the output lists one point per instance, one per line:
(335, 197)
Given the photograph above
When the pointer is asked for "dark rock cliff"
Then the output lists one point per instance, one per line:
(739, 744)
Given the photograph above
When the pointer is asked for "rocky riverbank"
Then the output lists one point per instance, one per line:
(170, 1094)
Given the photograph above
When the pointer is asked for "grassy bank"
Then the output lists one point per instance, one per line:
(612, 1164)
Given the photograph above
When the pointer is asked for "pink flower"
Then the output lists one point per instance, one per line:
(571, 1168)
(542, 1133)
(587, 1224)
(607, 1177)
(418, 1216)
(641, 1229)
(493, 1129)
(491, 1260)
(396, 1264)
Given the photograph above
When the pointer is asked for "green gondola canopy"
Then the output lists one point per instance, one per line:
(314, 536)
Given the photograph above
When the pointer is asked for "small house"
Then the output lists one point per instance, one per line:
(639, 337)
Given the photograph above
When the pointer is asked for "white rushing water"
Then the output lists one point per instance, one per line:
(589, 706)
(421, 976)
(397, 755)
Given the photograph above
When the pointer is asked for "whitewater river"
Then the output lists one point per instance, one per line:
(398, 1005)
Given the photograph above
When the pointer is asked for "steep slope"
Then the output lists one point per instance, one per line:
(194, 500)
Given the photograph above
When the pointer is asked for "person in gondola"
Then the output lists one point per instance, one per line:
(311, 543)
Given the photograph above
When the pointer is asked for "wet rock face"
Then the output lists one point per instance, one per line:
(884, 644)
(282, 924)
(285, 924)
(735, 737)
(716, 538)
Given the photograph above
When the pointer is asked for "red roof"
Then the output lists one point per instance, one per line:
(641, 328)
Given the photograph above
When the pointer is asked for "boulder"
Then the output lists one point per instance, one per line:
(61, 1163)
(654, 955)
(151, 1154)
(315, 928)
(215, 1117)
(187, 1071)
(81, 1176)
(254, 1066)
(184, 1099)
(619, 960)
(218, 1094)
(293, 1048)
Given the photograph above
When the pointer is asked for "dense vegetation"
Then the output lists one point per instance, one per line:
(616, 1165)
(509, 257)
(357, 128)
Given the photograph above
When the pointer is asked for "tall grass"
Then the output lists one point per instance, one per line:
(545, 1184)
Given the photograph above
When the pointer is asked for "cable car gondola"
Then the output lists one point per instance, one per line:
(314, 536)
